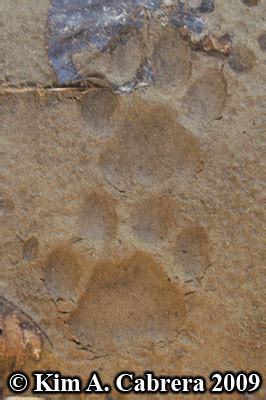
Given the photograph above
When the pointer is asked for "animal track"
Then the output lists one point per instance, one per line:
(126, 303)
(242, 59)
(97, 108)
(171, 59)
(154, 218)
(192, 253)
(64, 273)
(30, 249)
(206, 97)
(151, 147)
(6, 206)
(129, 301)
(98, 218)
(117, 65)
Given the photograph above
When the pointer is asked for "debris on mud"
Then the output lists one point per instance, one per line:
(251, 3)
(20, 339)
(109, 43)
(222, 44)
(209, 43)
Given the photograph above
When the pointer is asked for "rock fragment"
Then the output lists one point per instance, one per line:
(206, 6)
(107, 43)
(222, 44)
(20, 339)
(208, 42)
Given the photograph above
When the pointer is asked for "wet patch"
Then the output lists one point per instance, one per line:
(88, 39)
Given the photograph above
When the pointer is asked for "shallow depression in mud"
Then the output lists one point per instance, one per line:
(150, 148)
(128, 302)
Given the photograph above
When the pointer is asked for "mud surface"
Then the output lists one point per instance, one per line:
(131, 225)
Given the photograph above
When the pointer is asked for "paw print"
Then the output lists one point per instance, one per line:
(109, 288)
(108, 272)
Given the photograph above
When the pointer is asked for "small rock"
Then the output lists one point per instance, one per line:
(207, 6)
(222, 44)
(19, 339)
